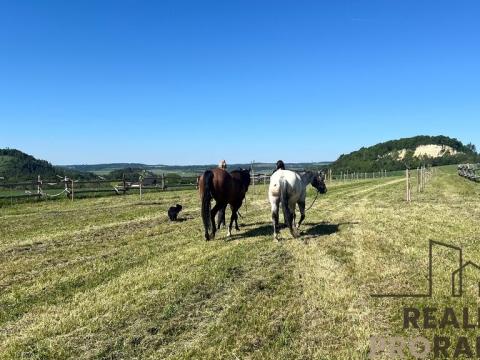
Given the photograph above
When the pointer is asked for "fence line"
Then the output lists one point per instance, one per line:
(41, 188)
(424, 175)
(73, 189)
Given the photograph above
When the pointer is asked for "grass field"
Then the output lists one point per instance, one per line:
(111, 278)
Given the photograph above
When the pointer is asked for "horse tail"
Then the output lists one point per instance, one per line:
(284, 200)
(206, 199)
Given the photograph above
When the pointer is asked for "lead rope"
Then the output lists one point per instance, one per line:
(318, 192)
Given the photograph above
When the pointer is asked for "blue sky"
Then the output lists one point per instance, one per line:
(192, 82)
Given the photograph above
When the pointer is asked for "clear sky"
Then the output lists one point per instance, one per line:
(192, 82)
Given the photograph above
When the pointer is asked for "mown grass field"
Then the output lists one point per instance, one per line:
(111, 278)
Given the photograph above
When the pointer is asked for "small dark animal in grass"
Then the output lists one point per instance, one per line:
(173, 212)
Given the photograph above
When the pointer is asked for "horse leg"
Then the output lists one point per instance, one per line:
(236, 219)
(233, 218)
(221, 218)
(212, 216)
(293, 229)
(301, 206)
(275, 209)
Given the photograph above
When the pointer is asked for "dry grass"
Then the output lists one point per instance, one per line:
(111, 278)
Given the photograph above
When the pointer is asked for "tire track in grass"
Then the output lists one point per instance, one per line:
(326, 268)
(84, 228)
(339, 315)
(84, 212)
(261, 317)
(42, 228)
(54, 285)
(112, 286)
(135, 297)
(51, 272)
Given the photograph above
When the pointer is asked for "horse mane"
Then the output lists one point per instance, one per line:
(244, 175)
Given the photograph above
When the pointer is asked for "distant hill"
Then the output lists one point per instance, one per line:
(104, 168)
(184, 170)
(18, 166)
(129, 174)
(407, 153)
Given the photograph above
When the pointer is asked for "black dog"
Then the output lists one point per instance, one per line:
(173, 212)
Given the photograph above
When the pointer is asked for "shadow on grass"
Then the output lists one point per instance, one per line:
(254, 224)
(313, 231)
(182, 219)
(148, 203)
(323, 229)
(262, 230)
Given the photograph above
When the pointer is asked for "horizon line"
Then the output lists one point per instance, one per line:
(205, 164)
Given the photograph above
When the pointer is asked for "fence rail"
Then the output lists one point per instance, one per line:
(71, 188)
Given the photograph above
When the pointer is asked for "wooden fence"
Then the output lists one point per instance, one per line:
(72, 189)
(419, 177)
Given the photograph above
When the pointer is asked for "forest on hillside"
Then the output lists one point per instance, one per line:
(383, 156)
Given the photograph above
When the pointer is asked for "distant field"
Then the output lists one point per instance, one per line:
(111, 278)
(188, 170)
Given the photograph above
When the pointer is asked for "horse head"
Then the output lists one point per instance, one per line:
(244, 176)
(318, 182)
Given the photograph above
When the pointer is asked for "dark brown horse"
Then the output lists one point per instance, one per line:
(221, 213)
(226, 189)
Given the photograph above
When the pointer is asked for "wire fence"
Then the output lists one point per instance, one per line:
(65, 187)
(72, 189)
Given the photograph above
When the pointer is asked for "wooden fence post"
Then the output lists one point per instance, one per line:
(407, 174)
(418, 180)
(39, 186)
(163, 181)
(423, 178)
(72, 190)
(253, 177)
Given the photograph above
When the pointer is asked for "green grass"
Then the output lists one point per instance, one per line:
(111, 278)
